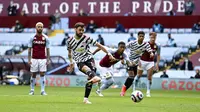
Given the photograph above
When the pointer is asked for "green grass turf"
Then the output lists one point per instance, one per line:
(60, 99)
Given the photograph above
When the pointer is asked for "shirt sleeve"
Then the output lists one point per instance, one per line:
(110, 50)
(30, 43)
(91, 41)
(148, 48)
(125, 56)
(68, 45)
(129, 45)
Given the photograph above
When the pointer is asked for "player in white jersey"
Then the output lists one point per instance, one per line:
(147, 63)
(136, 48)
(78, 49)
(38, 57)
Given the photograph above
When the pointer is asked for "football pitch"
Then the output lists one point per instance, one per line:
(65, 99)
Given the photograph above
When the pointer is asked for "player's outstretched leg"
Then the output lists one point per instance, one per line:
(137, 78)
(127, 84)
(106, 83)
(88, 87)
(32, 85)
(42, 83)
(149, 81)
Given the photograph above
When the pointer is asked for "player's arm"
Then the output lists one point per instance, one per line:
(149, 50)
(70, 56)
(29, 55)
(95, 43)
(30, 44)
(71, 65)
(96, 50)
(158, 58)
(126, 60)
(48, 50)
(105, 50)
(70, 60)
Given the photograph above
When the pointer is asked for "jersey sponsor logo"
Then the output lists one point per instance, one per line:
(139, 51)
(38, 42)
(80, 50)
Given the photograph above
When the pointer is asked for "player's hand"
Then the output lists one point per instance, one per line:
(93, 53)
(156, 67)
(71, 67)
(29, 62)
(151, 55)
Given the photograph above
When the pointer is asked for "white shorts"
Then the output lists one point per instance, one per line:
(106, 72)
(146, 65)
(38, 65)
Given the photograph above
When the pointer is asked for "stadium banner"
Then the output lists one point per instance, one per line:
(158, 83)
(98, 7)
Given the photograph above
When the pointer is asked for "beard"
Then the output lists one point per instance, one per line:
(39, 31)
(79, 35)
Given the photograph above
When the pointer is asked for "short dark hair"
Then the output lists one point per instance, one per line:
(79, 24)
(121, 43)
(141, 32)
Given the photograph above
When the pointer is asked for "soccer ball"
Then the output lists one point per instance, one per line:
(137, 96)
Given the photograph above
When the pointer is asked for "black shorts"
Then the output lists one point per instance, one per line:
(90, 63)
(132, 68)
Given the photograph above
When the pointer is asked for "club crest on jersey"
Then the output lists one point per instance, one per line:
(155, 46)
(84, 43)
(34, 37)
(43, 38)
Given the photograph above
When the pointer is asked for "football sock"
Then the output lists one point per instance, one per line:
(32, 83)
(88, 88)
(123, 88)
(103, 87)
(99, 85)
(42, 83)
(129, 82)
(135, 82)
(136, 78)
(148, 85)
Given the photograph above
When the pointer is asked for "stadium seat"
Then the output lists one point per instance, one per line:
(181, 30)
(66, 30)
(98, 30)
(105, 30)
(7, 29)
(71, 30)
(1, 30)
(138, 29)
(45, 30)
(32, 30)
(132, 30)
(111, 30)
(166, 30)
(150, 29)
(188, 30)
(146, 30)
(174, 30)
(26, 30)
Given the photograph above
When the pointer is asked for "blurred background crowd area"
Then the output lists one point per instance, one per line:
(177, 24)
